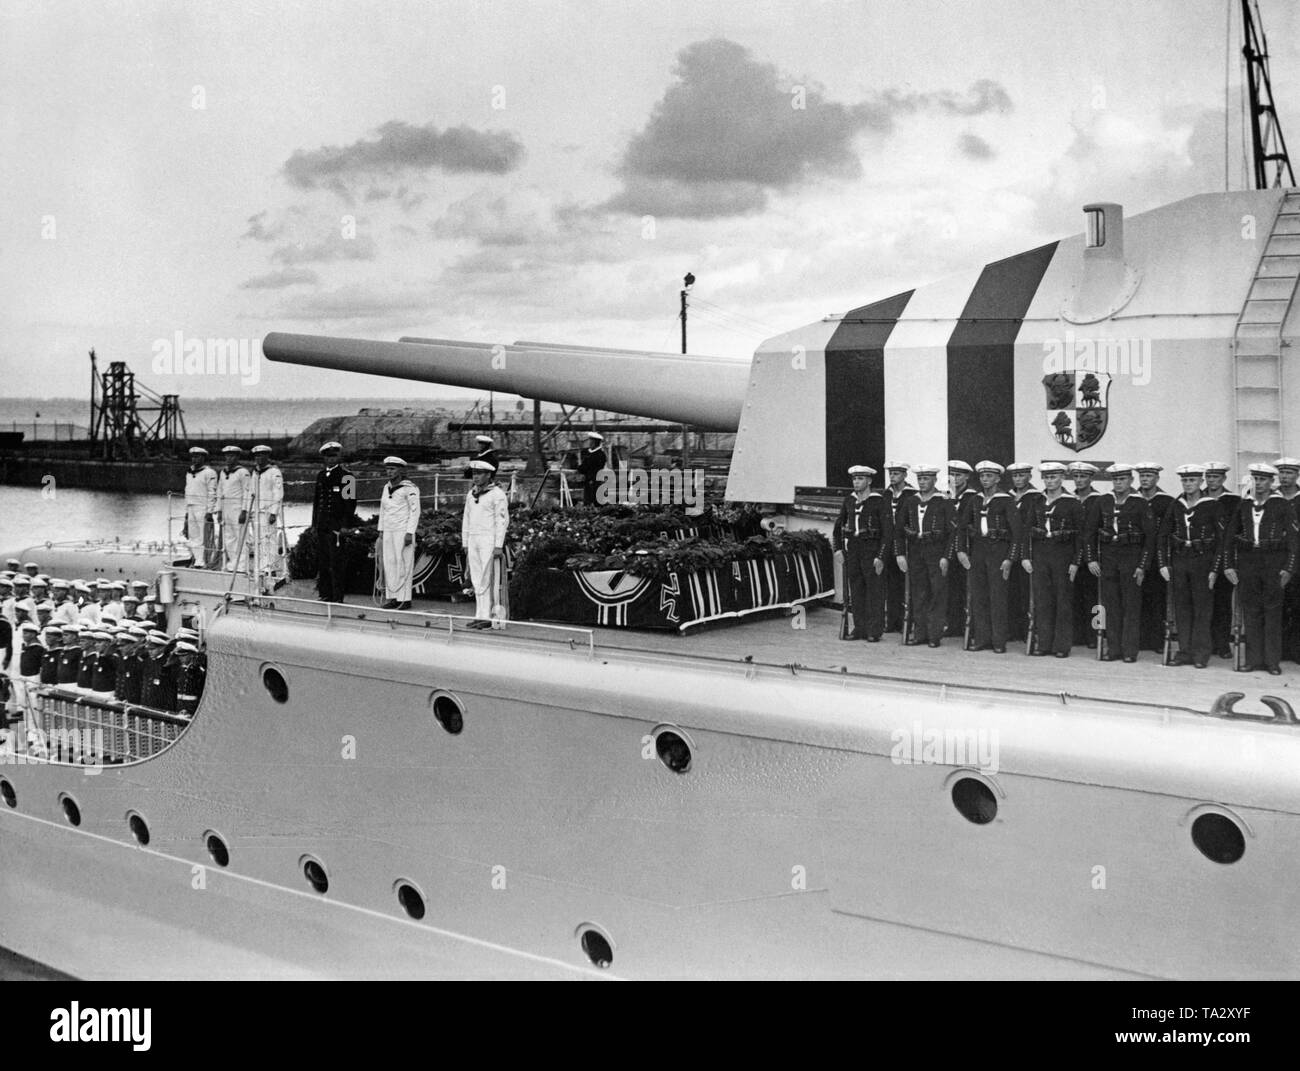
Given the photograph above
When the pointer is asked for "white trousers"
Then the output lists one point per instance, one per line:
(478, 554)
(230, 528)
(194, 521)
(399, 566)
(268, 539)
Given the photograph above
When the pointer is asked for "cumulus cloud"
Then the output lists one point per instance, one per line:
(974, 147)
(336, 247)
(403, 147)
(513, 219)
(278, 280)
(731, 129)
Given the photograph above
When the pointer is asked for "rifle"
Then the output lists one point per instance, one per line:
(909, 626)
(966, 642)
(1238, 632)
(1031, 632)
(846, 608)
(1171, 626)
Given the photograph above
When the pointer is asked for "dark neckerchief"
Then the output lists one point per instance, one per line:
(478, 492)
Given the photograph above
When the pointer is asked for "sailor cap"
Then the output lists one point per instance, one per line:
(260, 448)
(13, 563)
(6, 582)
(483, 438)
(596, 435)
(48, 629)
(59, 585)
(481, 466)
(331, 445)
(1287, 463)
(31, 565)
(158, 637)
(101, 584)
(1260, 468)
(71, 630)
(1191, 470)
(1148, 466)
(232, 449)
(186, 648)
(1020, 466)
(130, 598)
(199, 450)
(897, 466)
(1120, 468)
(37, 582)
(22, 580)
(117, 585)
(1051, 467)
(29, 626)
(1217, 466)
(82, 586)
(959, 466)
(140, 584)
(45, 605)
(861, 470)
(393, 459)
(186, 634)
(989, 466)
(926, 470)
(101, 634)
(138, 631)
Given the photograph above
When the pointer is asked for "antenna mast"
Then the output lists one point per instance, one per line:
(1272, 164)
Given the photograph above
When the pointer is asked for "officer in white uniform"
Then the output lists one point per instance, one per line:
(266, 488)
(483, 535)
(200, 502)
(399, 516)
(232, 505)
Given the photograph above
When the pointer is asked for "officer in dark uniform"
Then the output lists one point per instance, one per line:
(959, 489)
(333, 508)
(191, 673)
(1188, 542)
(53, 637)
(1019, 583)
(897, 492)
(105, 679)
(136, 666)
(589, 466)
(486, 451)
(1261, 546)
(1155, 593)
(1087, 599)
(1216, 475)
(160, 679)
(922, 541)
(988, 534)
(1053, 527)
(70, 655)
(864, 533)
(1288, 486)
(1121, 540)
(91, 642)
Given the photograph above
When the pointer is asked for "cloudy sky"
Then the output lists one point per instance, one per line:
(550, 170)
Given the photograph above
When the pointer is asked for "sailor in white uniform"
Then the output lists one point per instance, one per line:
(65, 610)
(483, 535)
(200, 502)
(232, 505)
(114, 608)
(399, 516)
(266, 500)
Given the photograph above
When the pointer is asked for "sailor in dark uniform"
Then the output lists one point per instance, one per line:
(1261, 546)
(333, 508)
(864, 533)
(1121, 540)
(922, 540)
(486, 451)
(590, 465)
(1155, 593)
(1053, 527)
(1216, 475)
(897, 492)
(1187, 549)
(1018, 585)
(1288, 486)
(959, 489)
(1087, 600)
(988, 535)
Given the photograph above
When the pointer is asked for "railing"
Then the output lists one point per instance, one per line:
(89, 730)
(48, 431)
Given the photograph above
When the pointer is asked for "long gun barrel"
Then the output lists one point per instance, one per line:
(705, 392)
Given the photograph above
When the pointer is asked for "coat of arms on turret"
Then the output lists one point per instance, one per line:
(1077, 407)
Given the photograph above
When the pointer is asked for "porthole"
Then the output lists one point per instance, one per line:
(70, 809)
(448, 711)
(974, 801)
(217, 849)
(7, 791)
(596, 945)
(1218, 838)
(275, 684)
(139, 828)
(314, 872)
(410, 899)
(673, 749)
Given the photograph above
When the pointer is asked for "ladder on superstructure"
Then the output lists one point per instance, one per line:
(1258, 341)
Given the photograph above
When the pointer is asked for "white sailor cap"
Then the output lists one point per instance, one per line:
(101, 634)
(22, 580)
(232, 449)
(896, 466)
(31, 565)
(82, 586)
(199, 450)
(59, 585)
(51, 629)
(45, 606)
(186, 634)
(29, 626)
(71, 630)
(260, 448)
(140, 584)
(989, 466)
(158, 637)
(1148, 466)
(130, 598)
(596, 435)
(331, 445)
(393, 459)
(1217, 467)
(483, 438)
(1120, 468)
(6, 582)
(117, 585)
(186, 647)
(40, 582)
(1260, 468)
(481, 466)
(1191, 470)
(959, 466)
(101, 584)
(1077, 467)
(1287, 463)
(926, 470)
(13, 563)
(1051, 467)
(861, 470)
(138, 631)
(1020, 466)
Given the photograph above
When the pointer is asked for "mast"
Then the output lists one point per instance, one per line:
(1272, 164)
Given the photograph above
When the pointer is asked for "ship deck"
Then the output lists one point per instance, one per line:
(773, 640)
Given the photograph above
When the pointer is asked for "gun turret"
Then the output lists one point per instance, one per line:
(706, 392)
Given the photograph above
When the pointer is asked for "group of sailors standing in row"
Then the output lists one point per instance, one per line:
(244, 508)
(1208, 566)
(106, 639)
